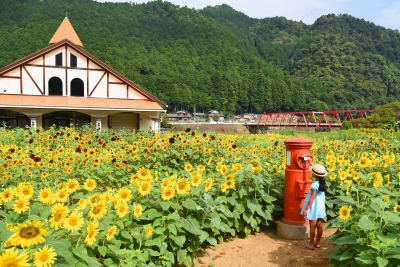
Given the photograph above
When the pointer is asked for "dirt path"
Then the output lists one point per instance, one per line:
(266, 249)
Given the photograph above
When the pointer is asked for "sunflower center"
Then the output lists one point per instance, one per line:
(20, 205)
(91, 233)
(73, 221)
(44, 257)
(58, 216)
(29, 232)
(97, 210)
(145, 187)
(10, 263)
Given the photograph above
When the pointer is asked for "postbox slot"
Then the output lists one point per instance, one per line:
(302, 188)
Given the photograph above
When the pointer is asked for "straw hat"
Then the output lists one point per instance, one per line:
(318, 170)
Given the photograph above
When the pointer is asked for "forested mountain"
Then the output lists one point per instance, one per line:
(219, 58)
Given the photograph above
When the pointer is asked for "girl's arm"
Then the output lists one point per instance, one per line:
(313, 194)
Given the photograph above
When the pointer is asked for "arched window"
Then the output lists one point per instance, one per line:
(77, 87)
(55, 86)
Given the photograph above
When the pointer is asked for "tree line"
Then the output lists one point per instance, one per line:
(219, 58)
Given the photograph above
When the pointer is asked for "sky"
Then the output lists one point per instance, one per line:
(385, 13)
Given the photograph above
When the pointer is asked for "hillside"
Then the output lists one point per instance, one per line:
(219, 58)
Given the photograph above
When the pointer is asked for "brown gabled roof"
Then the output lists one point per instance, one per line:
(87, 54)
(66, 31)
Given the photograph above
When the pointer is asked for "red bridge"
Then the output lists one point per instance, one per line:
(307, 120)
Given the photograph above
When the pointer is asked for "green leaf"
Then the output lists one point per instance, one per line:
(80, 252)
(346, 255)
(194, 244)
(393, 253)
(212, 241)
(247, 216)
(346, 240)
(382, 262)
(108, 262)
(191, 226)
(252, 205)
(102, 250)
(182, 254)
(365, 224)
(365, 258)
(172, 229)
(203, 236)
(179, 240)
(347, 199)
(164, 205)
(189, 204)
(126, 235)
(151, 214)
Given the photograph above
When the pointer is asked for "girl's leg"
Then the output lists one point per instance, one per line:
(319, 233)
(313, 225)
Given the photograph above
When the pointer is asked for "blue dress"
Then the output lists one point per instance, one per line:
(317, 209)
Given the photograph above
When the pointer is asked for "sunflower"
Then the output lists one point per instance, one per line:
(7, 195)
(91, 233)
(201, 168)
(144, 188)
(344, 213)
(46, 196)
(166, 182)
(59, 213)
(208, 184)
(61, 195)
(10, 258)
(224, 187)
(378, 180)
(82, 204)
(111, 232)
(364, 162)
(21, 205)
(137, 210)
(188, 167)
(44, 174)
(44, 257)
(182, 187)
(72, 186)
(25, 190)
(167, 193)
(28, 234)
(143, 174)
(90, 184)
(148, 231)
(74, 222)
(121, 209)
(124, 194)
(196, 178)
(98, 210)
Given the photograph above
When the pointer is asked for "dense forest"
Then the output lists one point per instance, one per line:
(219, 58)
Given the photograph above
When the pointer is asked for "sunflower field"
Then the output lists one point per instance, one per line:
(77, 197)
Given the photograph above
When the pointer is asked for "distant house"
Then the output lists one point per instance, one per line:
(213, 113)
(181, 115)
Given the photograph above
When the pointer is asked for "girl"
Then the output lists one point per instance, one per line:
(314, 205)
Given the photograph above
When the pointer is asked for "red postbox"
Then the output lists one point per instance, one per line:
(299, 159)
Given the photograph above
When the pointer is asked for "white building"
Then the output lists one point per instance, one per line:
(64, 85)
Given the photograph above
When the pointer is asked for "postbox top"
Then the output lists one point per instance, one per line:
(298, 142)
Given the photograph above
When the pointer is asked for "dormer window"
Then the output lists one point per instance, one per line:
(73, 60)
(59, 61)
